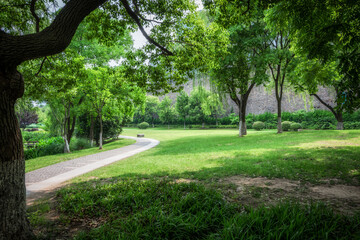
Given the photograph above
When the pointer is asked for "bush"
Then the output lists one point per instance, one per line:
(79, 143)
(286, 125)
(258, 125)
(45, 147)
(295, 126)
(34, 136)
(143, 125)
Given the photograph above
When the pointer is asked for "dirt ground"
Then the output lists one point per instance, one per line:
(260, 190)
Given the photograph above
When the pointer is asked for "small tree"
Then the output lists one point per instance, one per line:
(151, 106)
(167, 112)
(25, 112)
(182, 105)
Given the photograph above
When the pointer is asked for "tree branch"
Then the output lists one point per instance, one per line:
(37, 19)
(325, 104)
(53, 39)
(134, 16)
(42, 63)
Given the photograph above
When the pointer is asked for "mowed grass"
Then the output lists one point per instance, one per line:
(144, 197)
(40, 162)
(208, 154)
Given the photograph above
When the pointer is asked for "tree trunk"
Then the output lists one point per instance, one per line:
(279, 127)
(13, 221)
(101, 133)
(242, 123)
(66, 145)
(340, 122)
(184, 124)
(91, 131)
(203, 125)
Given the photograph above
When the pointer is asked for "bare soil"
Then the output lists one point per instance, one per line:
(261, 190)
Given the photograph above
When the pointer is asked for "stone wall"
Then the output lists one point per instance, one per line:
(262, 100)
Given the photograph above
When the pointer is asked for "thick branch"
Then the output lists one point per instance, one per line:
(325, 104)
(53, 39)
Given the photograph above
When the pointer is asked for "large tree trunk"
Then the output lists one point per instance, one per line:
(242, 125)
(203, 125)
(101, 134)
(13, 221)
(340, 122)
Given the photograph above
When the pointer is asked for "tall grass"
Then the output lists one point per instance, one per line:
(160, 209)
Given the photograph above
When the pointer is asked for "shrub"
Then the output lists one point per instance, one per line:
(286, 125)
(143, 125)
(79, 143)
(295, 126)
(258, 125)
(45, 147)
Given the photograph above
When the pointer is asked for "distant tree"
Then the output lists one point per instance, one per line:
(167, 112)
(240, 69)
(213, 106)
(151, 108)
(26, 112)
(332, 36)
(111, 95)
(202, 103)
(310, 74)
(182, 105)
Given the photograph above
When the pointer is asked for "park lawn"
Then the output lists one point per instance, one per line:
(40, 162)
(212, 154)
(176, 190)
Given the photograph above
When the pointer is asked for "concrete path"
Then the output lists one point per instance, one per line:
(48, 178)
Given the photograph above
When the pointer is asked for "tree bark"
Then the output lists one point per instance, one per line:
(184, 124)
(279, 127)
(13, 221)
(203, 125)
(53, 39)
(340, 122)
(66, 145)
(91, 131)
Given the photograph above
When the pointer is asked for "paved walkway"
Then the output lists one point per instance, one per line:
(48, 178)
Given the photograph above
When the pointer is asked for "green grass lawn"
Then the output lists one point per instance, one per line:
(40, 162)
(176, 190)
(208, 154)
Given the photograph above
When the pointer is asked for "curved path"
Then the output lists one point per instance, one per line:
(47, 178)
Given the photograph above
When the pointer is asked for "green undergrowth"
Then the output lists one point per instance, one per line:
(163, 209)
(40, 162)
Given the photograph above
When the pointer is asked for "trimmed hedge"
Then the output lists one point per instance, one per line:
(286, 125)
(295, 126)
(258, 125)
(143, 125)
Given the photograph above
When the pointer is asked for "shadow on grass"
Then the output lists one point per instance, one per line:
(311, 165)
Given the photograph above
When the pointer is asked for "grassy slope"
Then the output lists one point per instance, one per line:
(206, 154)
(40, 162)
